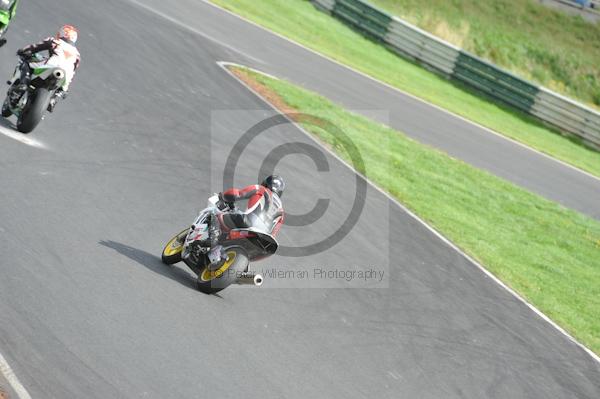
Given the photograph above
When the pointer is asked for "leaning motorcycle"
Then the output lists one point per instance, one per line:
(241, 245)
(8, 8)
(29, 96)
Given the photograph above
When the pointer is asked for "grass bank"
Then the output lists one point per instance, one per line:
(300, 21)
(549, 254)
(550, 47)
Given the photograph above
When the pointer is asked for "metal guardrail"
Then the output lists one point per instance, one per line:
(442, 57)
(363, 16)
(326, 5)
(584, 4)
(419, 45)
(588, 9)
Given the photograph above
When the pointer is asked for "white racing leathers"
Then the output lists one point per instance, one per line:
(61, 54)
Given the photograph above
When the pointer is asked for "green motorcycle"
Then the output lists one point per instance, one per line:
(8, 8)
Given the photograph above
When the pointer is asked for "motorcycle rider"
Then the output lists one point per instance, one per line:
(62, 53)
(264, 206)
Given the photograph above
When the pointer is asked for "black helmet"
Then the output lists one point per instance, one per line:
(275, 184)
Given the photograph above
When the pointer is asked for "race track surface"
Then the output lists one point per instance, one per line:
(419, 120)
(87, 310)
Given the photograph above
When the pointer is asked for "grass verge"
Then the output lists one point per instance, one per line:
(548, 46)
(547, 253)
(300, 21)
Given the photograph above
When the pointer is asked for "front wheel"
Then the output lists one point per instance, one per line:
(172, 252)
(34, 110)
(213, 281)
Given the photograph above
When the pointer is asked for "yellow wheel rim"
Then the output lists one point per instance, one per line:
(208, 275)
(175, 246)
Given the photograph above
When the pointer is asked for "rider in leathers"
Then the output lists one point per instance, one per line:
(62, 53)
(263, 200)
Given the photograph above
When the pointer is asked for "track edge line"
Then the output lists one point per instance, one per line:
(10, 376)
(224, 65)
(414, 97)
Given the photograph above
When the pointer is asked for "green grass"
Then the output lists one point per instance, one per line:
(552, 48)
(547, 253)
(300, 21)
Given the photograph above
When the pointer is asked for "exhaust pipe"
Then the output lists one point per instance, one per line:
(249, 278)
(59, 74)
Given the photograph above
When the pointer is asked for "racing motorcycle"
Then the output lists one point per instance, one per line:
(29, 96)
(8, 8)
(242, 244)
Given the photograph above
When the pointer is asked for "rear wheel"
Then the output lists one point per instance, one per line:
(34, 110)
(172, 252)
(213, 281)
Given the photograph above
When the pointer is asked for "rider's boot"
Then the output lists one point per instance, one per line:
(16, 90)
(59, 94)
(20, 77)
(216, 255)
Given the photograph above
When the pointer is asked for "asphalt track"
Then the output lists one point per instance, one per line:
(419, 120)
(88, 311)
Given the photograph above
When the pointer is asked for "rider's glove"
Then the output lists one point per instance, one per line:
(223, 205)
(24, 53)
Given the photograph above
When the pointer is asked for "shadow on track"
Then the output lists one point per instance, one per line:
(152, 263)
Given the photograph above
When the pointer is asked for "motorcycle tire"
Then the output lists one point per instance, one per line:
(211, 282)
(172, 252)
(34, 110)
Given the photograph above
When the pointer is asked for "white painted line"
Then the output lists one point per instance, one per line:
(193, 30)
(20, 137)
(406, 93)
(224, 65)
(12, 379)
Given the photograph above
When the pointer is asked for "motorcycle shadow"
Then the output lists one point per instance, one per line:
(152, 263)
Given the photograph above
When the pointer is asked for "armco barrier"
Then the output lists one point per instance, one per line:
(363, 17)
(419, 45)
(495, 82)
(568, 115)
(326, 5)
(442, 57)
